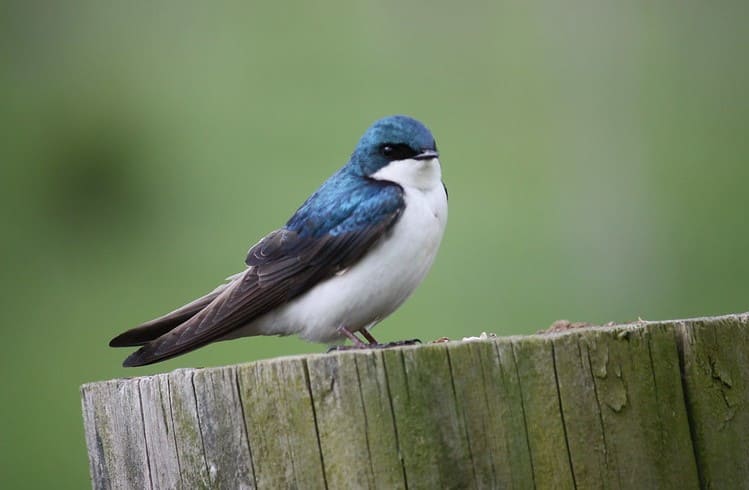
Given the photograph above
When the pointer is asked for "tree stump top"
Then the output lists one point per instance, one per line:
(644, 405)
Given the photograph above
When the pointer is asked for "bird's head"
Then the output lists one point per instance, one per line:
(398, 149)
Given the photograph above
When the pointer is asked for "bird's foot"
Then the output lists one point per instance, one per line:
(397, 343)
(372, 342)
(341, 348)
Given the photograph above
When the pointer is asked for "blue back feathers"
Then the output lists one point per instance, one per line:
(349, 200)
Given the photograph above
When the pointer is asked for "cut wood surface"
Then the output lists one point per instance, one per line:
(645, 405)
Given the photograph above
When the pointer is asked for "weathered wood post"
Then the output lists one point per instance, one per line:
(647, 405)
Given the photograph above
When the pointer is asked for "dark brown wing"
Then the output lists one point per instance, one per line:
(281, 266)
(152, 329)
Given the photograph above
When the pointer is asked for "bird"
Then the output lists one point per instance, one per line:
(349, 256)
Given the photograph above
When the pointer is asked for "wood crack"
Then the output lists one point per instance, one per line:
(174, 431)
(238, 387)
(314, 418)
(145, 439)
(461, 414)
(373, 474)
(599, 408)
(522, 408)
(395, 420)
(200, 427)
(561, 413)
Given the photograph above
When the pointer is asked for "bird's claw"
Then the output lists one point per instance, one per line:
(397, 343)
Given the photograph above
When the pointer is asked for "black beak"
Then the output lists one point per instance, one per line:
(427, 155)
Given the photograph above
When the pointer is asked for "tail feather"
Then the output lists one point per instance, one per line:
(151, 330)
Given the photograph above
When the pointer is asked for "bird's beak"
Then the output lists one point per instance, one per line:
(427, 155)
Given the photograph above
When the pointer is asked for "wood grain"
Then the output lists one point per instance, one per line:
(646, 405)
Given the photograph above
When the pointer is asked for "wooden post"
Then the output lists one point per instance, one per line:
(647, 405)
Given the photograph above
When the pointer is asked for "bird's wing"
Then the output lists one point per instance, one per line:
(148, 331)
(283, 265)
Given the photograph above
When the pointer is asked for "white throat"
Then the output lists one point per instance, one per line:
(420, 174)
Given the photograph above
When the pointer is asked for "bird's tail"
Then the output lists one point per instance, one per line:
(146, 332)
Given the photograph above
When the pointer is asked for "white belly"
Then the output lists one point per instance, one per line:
(380, 282)
(374, 287)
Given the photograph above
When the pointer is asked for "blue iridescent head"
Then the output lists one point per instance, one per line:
(389, 139)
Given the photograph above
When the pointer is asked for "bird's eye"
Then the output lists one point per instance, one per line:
(397, 151)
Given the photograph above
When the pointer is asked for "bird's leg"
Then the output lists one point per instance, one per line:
(367, 335)
(353, 338)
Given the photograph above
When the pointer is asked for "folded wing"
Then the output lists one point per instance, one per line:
(283, 265)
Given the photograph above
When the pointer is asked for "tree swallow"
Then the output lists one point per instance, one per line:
(349, 256)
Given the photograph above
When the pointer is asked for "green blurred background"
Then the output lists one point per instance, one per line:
(596, 155)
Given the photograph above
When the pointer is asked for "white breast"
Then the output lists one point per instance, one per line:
(380, 282)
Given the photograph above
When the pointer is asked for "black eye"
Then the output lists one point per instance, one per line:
(397, 151)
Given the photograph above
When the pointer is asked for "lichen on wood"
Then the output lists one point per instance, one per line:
(646, 405)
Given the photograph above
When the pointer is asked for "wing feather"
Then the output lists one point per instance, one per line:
(157, 327)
